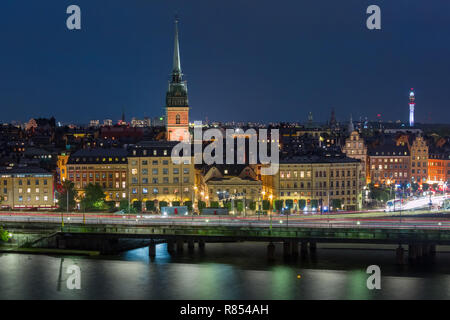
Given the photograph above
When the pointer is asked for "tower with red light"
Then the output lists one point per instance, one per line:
(412, 104)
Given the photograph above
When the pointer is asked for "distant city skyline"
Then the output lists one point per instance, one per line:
(253, 63)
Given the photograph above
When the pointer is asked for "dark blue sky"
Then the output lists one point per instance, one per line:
(243, 59)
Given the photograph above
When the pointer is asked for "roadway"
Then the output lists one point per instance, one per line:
(273, 221)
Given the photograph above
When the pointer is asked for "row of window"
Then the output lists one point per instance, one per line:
(37, 198)
(319, 194)
(155, 171)
(97, 175)
(318, 174)
(156, 190)
(392, 174)
(391, 166)
(28, 182)
(156, 180)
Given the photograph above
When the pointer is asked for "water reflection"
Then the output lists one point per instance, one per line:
(224, 271)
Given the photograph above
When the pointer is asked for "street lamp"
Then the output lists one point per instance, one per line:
(270, 214)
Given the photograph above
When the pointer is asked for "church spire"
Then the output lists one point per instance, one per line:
(176, 52)
(351, 127)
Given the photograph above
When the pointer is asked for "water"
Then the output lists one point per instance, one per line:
(223, 271)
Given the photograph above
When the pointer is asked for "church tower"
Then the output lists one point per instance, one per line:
(177, 105)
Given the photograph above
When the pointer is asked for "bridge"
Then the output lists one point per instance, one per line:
(298, 234)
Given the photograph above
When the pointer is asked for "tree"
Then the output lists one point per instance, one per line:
(110, 205)
(201, 205)
(379, 193)
(278, 204)
(176, 203)
(68, 189)
(94, 197)
(4, 235)
(239, 205)
(266, 205)
(289, 203)
(125, 207)
(301, 204)
(150, 205)
(252, 205)
(414, 187)
(227, 205)
(214, 204)
(162, 204)
(137, 205)
(336, 204)
(188, 204)
(425, 186)
(314, 203)
(435, 186)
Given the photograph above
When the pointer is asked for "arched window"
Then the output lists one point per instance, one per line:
(177, 119)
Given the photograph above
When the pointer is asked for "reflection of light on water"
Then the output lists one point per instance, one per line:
(357, 285)
(141, 254)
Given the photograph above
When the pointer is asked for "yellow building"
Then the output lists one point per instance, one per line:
(316, 182)
(61, 167)
(152, 175)
(26, 187)
(106, 167)
(220, 182)
(419, 160)
(356, 148)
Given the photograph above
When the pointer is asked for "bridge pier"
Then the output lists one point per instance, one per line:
(432, 249)
(190, 245)
(180, 244)
(294, 248)
(412, 252)
(312, 247)
(170, 246)
(419, 252)
(399, 254)
(201, 244)
(286, 249)
(304, 248)
(271, 251)
(152, 249)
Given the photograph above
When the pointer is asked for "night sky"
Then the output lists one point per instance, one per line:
(245, 60)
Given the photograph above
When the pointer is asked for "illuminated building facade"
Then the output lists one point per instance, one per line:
(106, 167)
(316, 182)
(389, 164)
(154, 176)
(355, 148)
(26, 187)
(419, 160)
(215, 181)
(439, 167)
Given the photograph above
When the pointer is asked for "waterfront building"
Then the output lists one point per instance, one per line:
(356, 148)
(26, 187)
(153, 175)
(419, 160)
(389, 163)
(316, 182)
(106, 167)
(222, 183)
